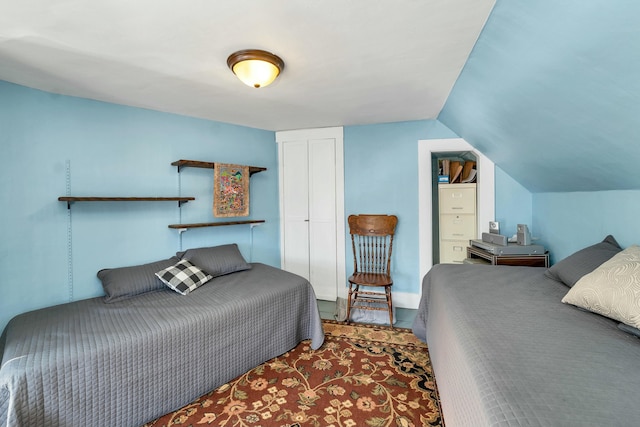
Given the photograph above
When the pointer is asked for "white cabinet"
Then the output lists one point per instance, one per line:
(312, 207)
(457, 220)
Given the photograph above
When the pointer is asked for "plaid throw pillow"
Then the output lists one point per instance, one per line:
(183, 277)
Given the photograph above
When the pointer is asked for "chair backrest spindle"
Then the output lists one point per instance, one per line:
(372, 242)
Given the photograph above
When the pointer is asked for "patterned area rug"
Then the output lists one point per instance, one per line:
(361, 376)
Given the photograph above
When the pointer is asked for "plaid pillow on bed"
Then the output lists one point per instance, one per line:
(183, 277)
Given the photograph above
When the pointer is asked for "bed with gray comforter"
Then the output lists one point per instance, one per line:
(88, 363)
(507, 352)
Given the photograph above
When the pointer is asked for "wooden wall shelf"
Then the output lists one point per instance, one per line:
(71, 199)
(209, 165)
(215, 224)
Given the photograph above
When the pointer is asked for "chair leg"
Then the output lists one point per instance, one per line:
(349, 299)
(387, 290)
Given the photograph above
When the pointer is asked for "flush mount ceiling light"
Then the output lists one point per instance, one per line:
(255, 68)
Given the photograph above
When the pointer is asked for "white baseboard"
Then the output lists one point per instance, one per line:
(400, 299)
(406, 300)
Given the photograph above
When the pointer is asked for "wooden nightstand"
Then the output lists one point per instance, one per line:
(541, 260)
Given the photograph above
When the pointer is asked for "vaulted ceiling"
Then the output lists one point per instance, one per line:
(549, 90)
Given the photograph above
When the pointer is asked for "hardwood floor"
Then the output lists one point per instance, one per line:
(404, 316)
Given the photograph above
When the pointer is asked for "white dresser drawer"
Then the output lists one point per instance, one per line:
(453, 251)
(458, 226)
(457, 198)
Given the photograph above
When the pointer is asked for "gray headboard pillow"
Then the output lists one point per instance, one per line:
(629, 329)
(572, 268)
(125, 282)
(216, 260)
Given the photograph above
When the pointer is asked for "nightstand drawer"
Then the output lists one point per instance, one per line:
(457, 227)
(457, 200)
(537, 260)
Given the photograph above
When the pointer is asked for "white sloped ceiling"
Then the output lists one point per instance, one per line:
(347, 62)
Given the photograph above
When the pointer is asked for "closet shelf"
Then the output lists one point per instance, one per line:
(215, 224)
(71, 199)
(209, 165)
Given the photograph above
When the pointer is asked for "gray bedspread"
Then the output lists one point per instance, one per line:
(507, 352)
(88, 363)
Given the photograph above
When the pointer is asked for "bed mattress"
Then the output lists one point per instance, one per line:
(88, 363)
(507, 352)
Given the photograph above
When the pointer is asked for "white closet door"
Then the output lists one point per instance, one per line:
(295, 173)
(322, 218)
(312, 229)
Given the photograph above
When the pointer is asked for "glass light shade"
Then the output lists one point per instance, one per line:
(255, 68)
(256, 73)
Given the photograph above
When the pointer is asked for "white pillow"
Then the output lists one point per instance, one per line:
(613, 289)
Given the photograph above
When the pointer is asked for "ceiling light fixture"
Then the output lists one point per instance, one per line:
(255, 68)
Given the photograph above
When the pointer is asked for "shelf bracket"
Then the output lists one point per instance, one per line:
(182, 202)
(69, 204)
(182, 230)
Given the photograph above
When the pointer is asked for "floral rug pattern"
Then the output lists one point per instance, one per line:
(362, 375)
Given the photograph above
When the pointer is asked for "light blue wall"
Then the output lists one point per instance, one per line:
(381, 176)
(513, 204)
(567, 222)
(112, 150)
(551, 94)
(570, 221)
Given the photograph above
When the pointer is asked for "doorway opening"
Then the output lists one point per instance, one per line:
(454, 167)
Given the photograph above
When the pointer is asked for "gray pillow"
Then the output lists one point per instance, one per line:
(629, 329)
(125, 282)
(216, 260)
(572, 268)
